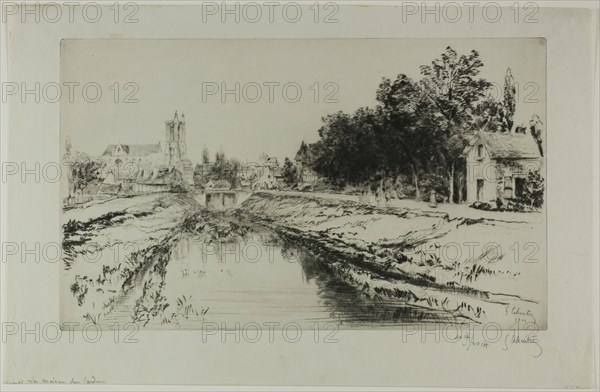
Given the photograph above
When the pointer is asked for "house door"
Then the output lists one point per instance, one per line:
(479, 190)
(519, 186)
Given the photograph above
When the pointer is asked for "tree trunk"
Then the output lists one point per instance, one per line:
(379, 189)
(393, 192)
(416, 181)
(451, 184)
(398, 187)
(366, 193)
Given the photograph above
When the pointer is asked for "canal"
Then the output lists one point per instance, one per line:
(258, 278)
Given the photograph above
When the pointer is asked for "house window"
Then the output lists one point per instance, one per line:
(480, 151)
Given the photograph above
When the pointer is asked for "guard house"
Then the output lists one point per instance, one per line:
(498, 164)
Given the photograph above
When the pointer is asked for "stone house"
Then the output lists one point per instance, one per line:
(497, 164)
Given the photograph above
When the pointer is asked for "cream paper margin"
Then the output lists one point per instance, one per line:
(565, 354)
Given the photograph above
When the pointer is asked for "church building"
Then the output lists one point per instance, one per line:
(151, 163)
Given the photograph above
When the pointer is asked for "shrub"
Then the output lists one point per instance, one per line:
(533, 192)
(177, 182)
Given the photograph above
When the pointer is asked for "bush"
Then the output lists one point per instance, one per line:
(177, 182)
(533, 192)
(290, 173)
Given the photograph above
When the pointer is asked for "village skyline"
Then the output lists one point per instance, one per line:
(245, 130)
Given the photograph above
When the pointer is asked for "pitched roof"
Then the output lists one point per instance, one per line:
(508, 145)
(134, 150)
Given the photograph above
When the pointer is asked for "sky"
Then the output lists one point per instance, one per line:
(188, 75)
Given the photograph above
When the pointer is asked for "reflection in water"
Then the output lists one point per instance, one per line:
(260, 278)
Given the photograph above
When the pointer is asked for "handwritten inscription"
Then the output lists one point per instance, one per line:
(73, 381)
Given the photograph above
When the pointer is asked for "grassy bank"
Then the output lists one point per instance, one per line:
(108, 246)
(116, 253)
(471, 268)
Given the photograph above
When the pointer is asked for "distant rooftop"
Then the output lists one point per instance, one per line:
(134, 150)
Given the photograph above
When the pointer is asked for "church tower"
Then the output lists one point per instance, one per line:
(176, 147)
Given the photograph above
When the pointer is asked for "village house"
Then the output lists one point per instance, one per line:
(498, 164)
(262, 174)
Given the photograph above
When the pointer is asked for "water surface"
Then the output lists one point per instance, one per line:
(266, 280)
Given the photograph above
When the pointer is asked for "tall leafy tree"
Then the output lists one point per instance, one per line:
(407, 130)
(302, 155)
(346, 150)
(489, 115)
(205, 156)
(452, 86)
(492, 115)
(509, 102)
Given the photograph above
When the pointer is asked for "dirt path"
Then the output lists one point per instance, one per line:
(453, 210)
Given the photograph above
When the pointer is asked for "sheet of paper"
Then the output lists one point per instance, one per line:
(299, 194)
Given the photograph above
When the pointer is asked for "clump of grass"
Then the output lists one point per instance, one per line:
(94, 319)
(79, 289)
(184, 310)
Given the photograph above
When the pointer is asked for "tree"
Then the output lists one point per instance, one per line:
(489, 115)
(289, 172)
(347, 151)
(219, 168)
(199, 174)
(233, 167)
(205, 156)
(83, 171)
(224, 169)
(302, 155)
(493, 115)
(452, 86)
(407, 133)
(419, 128)
(509, 103)
(332, 149)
